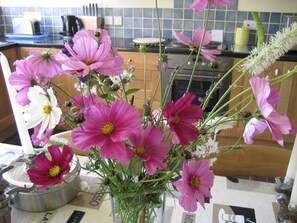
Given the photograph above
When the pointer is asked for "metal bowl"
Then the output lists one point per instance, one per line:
(49, 199)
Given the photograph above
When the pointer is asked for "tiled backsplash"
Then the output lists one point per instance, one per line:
(141, 22)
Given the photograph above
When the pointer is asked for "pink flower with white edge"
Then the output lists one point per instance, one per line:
(197, 179)
(200, 5)
(150, 148)
(45, 63)
(181, 116)
(43, 138)
(253, 127)
(197, 42)
(266, 98)
(100, 35)
(107, 126)
(88, 55)
(50, 172)
(22, 79)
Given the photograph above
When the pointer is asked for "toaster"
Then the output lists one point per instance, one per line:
(26, 26)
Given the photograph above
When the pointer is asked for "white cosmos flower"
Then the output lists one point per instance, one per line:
(42, 109)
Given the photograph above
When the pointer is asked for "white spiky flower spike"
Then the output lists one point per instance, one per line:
(263, 57)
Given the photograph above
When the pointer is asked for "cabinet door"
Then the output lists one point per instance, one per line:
(145, 72)
(246, 102)
(288, 102)
(7, 123)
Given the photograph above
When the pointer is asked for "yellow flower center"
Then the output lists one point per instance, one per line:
(177, 118)
(107, 128)
(55, 171)
(140, 151)
(89, 61)
(195, 182)
(47, 109)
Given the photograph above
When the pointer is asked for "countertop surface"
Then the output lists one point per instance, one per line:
(126, 44)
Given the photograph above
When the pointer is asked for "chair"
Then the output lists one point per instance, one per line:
(253, 161)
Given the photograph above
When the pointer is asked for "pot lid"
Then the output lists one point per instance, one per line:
(148, 40)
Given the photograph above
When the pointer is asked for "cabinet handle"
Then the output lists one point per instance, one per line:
(130, 60)
(276, 72)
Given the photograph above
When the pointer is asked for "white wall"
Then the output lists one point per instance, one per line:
(80, 3)
(268, 5)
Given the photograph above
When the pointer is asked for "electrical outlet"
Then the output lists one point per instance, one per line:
(108, 20)
(117, 20)
(249, 24)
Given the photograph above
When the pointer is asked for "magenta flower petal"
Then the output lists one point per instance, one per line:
(50, 172)
(181, 115)
(182, 38)
(200, 5)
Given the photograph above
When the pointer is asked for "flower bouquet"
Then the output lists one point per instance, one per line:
(137, 156)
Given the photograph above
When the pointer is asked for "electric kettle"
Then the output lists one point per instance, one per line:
(71, 24)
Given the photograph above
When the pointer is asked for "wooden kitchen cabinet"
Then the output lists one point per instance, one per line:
(287, 103)
(7, 123)
(152, 77)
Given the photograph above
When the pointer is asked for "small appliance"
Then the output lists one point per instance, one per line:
(26, 26)
(71, 25)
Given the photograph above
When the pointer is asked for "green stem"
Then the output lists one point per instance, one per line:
(144, 76)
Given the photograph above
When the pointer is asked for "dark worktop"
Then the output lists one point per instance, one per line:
(126, 44)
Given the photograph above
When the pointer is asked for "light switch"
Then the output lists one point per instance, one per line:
(108, 20)
(118, 20)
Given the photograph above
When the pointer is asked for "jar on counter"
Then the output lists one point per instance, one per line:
(242, 36)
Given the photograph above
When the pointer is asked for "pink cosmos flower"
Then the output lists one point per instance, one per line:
(45, 63)
(150, 148)
(200, 5)
(108, 126)
(181, 115)
(267, 98)
(50, 172)
(196, 42)
(164, 59)
(22, 79)
(88, 55)
(197, 179)
(100, 35)
(44, 137)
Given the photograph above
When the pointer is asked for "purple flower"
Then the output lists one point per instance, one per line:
(200, 5)
(267, 98)
(197, 42)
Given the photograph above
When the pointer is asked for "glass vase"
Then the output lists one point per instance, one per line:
(147, 208)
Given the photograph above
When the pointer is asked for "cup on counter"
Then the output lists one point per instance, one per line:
(242, 36)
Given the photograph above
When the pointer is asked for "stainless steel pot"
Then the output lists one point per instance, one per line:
(40, 201)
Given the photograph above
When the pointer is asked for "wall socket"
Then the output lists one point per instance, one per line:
(118, 21)
(249, 24)
(108, 20)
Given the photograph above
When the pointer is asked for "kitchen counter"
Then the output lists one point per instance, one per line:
(126, 44)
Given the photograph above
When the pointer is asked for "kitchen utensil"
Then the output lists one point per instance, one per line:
(71, 25)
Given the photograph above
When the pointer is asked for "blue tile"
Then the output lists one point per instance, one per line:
(229, 37)
(178, 13)
(118, 32)
(220, 15)
(138, 12)
(250, 16)
(147, 32)
(188, 25)
(178, 4)
(275, 18)
(210, 25)
(127, 22)
(14, 11)
(241, 16)
(167, 24)
(231, 16)
(128, 12)
(108, 12)
(168, 13)
(167, 33)
(264, 16)
(273, 28)
(48, 21)
(160, 12)
(177, 24)
(219, 25)
(6, 10)
(233, 6)
(188, 14)
(199, 15)
(188, 3)
(211, 15)
(138, 23)
(148, 13)
(230, 27)
(137, 33)
(47, 12)
(198, 24)
(188, 34)
(118, 12)
(128, 33)
(147, 23)
(56, 11)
